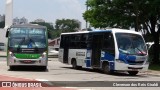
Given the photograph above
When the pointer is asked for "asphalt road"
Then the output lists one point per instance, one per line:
(60, 72)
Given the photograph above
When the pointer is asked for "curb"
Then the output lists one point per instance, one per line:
(3, 56)
(153, 72)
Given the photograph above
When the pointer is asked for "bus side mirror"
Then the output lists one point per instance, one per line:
(7, 32)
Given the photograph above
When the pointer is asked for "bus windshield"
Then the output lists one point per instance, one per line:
(131, 44)
(27, 38)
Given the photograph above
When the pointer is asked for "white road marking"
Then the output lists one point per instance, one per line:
(49, 83)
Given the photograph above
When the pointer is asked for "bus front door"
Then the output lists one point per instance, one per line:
(96, 51)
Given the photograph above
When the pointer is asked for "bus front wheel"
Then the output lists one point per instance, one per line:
(43, 67)
(133, 73)
(105, 68)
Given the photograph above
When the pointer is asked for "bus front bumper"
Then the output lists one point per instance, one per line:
(126, 67)
(27, 62)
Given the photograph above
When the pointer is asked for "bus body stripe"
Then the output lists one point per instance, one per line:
(88, 63)
(124, 58)
(108, 57)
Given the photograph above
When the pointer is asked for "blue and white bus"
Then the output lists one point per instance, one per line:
(109, 50)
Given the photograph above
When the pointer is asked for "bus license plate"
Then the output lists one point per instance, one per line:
(134, 69)
(27, 61)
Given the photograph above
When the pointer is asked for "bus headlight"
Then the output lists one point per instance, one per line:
(43, 54)
(11, 54)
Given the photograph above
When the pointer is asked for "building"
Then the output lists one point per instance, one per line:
(22, 20)
(54, 44)
(2, 18)
(3, 40)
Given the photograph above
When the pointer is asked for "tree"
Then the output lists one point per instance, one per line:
(66, 25)
(143, 15)
(50, 28)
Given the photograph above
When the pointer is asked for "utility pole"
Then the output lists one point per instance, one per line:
(86, 10)
(8, 13)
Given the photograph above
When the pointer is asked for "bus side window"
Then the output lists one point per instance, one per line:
(72, 42)
(62, 41)
(83, 41)
(89, 41)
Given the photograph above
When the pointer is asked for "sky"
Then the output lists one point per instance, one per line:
(49, 10)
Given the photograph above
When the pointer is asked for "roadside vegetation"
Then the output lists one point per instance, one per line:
(61, 26)
(154, 67)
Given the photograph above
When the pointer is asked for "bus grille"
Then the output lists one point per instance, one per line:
(135, 62)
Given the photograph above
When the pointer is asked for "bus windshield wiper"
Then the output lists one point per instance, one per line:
(140, 51)
(21, 42)
(18, 47)
(36, 47)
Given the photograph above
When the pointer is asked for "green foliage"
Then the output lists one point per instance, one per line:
(2, 24)
(61, 26)
(151, 54)
(154, 67)
(67, 25)
(121, 13)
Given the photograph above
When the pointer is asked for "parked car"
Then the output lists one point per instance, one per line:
(53, 53)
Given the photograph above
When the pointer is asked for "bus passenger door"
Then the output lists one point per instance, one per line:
(96, 50)
(66, 47)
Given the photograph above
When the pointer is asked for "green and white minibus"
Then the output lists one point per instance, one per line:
(27, 46)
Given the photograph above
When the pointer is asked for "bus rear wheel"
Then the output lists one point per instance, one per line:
(133, 73)
(74, 65)
(11, 67)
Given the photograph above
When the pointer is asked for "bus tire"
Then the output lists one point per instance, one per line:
(11, 67)
(74, 64)
(79, 67)
(43, 68)
(133, 73)
(105, 68)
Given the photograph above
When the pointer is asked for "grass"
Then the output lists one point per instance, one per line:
(154, 67)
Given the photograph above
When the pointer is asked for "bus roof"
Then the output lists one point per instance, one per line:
(114, 30)
(28, 26)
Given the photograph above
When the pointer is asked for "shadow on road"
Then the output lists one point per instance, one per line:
(28, 68)
(100, 72)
